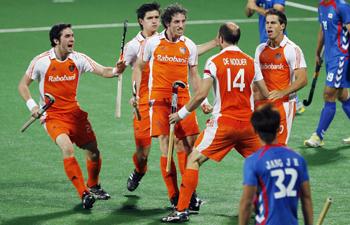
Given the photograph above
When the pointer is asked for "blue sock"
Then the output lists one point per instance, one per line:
(327, 115)
(346, 107)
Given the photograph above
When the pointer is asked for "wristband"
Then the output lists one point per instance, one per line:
(114, 72)
(183, 112)
(205, 102)
(31, 104)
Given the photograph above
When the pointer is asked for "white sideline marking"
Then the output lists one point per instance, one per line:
(301, 6)
(112, 25)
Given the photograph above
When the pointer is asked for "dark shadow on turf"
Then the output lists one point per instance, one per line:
(322, 156)
(129, 213)
(38, 219)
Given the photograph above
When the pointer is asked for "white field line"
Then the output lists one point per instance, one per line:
(112, 25)
(301, 6)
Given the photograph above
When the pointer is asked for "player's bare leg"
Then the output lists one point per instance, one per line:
(93, 164)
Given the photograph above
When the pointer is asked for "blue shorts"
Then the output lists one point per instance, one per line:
(337, 70)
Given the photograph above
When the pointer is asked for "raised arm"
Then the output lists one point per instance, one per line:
(109, 72)
(203, 48)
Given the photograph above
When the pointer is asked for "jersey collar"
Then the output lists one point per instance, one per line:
(232, 48)
(282, 44)
(52, 54)
(162, 36)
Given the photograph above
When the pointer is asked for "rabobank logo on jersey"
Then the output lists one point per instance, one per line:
(166, 58)
(61, 78)
(271, 66)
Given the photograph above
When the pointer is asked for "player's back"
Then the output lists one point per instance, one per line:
(233, 72)
(281, 172)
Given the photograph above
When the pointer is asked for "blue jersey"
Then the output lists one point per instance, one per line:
(278, 172)
(266, 4)
(333, 16)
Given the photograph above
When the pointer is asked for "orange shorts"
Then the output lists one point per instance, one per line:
(287, 113)
(160, 111)
(75, 124)
(223, 134)
(142, 128)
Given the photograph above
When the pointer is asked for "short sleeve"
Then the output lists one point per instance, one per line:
(281, 2)
(130, 53)
(84, 63)
(344, 11)
(209, 69)
(257, 70)
(193, 57)
(295, 57)
(305, 174)
(249, 175)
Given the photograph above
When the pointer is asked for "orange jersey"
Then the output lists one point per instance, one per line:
(60, 78)
(233, 72)
(278, 64)
(169, 62)
(131, 52)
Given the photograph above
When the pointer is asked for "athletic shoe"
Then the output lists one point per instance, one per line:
(88, 200)
(195, 204)
(99, 193)
(346, 140)
(300, 108)
(176, 217)
(134, 180)
(314, 141)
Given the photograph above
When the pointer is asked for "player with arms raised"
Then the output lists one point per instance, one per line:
(58, 72)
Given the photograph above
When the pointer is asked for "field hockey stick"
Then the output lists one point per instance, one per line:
(307, 102)
(118, 100)
(40, 113)
(136, 110)
(323, 214)
(175, 87)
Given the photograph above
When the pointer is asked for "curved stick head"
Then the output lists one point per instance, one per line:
(179, 83)
(50, 97)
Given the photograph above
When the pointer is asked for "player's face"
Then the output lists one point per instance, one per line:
(66, 42)
(273, 27)
(177, 25)
(150, 22)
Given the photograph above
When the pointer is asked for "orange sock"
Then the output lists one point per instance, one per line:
(188, 185)
(93, 169)
(181, 161)
(170, 178)
(140, 167)
(74, 174)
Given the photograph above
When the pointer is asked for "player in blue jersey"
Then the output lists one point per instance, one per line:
(334, 18)
(278, 174)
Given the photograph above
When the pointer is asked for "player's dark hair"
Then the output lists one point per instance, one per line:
(230, 35)
(266, 122)
(143, 9)
(171, 11)
(282, 18)
(56, 32)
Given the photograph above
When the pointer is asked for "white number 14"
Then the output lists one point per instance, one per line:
(238, 82)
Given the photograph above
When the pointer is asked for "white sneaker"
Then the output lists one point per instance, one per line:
(346, 140)
(300, 108)
(314, 141)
